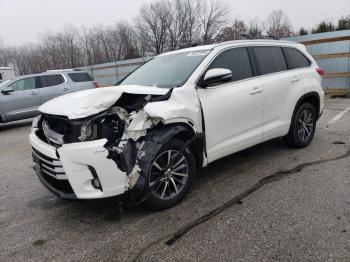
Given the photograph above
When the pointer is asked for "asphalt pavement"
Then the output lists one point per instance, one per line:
(267, 203)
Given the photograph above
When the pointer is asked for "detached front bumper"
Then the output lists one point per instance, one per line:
(68, 171)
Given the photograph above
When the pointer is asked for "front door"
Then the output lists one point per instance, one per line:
(233, 112)
(23, 102)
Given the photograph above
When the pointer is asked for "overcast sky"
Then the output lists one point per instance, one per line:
(24, 20)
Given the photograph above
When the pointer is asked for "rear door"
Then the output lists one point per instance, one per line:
(80, 81)
(23, 102)
(277, 84)
(52, 86)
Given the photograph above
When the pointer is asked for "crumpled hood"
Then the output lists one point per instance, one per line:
(92, 101)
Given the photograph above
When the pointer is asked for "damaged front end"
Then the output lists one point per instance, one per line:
(131, 138)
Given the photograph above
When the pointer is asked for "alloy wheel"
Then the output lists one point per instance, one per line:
(305, 125)
(168, 174)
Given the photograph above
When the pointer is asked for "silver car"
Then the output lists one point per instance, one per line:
(21, 97)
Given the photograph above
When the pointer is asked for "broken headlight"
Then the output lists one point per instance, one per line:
(108, 126)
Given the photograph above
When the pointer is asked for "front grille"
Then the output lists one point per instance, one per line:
(51, 170)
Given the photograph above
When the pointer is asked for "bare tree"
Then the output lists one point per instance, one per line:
(177, 24)
(278, 24)
(183, 24)
(127, 47)
(70, 46)
(191, 34)
(160, 26)
(85, 42)
(153, 24)
(213, 16)
(234, 32)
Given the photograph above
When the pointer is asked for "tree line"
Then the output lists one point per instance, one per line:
(160, 26)
(325, 26)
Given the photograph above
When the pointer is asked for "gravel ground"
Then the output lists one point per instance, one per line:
(266, 203)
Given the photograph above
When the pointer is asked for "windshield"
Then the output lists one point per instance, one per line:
(167, 71)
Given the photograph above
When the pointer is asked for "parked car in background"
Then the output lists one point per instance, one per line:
(21, 97)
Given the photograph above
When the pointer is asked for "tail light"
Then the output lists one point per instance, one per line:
(320, 71)
(95, 83)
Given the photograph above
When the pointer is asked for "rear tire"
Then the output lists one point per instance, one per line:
(303, 126)
(166, 187)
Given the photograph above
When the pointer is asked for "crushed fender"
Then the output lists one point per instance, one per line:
(136, 157)
(143, 137)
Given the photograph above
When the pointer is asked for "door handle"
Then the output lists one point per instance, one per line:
(295, 79)
(34, 93)
(66, 89)
(256, 90)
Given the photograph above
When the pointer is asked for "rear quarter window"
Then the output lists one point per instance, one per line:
(80, 77)
(295, 59)
(269, 59)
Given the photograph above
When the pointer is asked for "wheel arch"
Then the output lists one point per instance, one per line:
(312, 98)
(185, 132)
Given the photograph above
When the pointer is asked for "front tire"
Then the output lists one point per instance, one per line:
(170, 176)
(303, 126)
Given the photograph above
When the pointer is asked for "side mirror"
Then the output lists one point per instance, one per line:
(6, 89)
(216, 75)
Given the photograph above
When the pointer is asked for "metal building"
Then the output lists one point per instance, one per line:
(332, 52)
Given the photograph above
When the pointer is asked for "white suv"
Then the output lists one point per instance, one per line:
(145, 138)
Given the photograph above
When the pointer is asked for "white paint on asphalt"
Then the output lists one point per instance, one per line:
(339, 116)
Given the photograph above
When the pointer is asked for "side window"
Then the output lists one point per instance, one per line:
(50, 80)
(269, 59)
(24, 84)
(80, 77)
(295, 59)
(235, 59)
